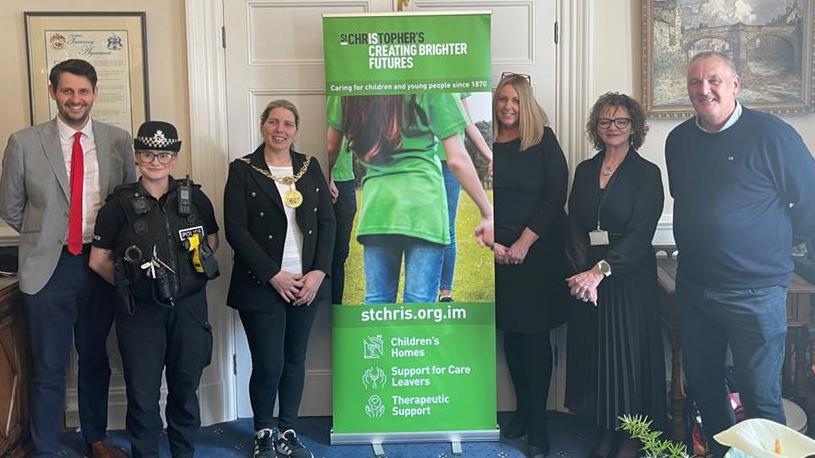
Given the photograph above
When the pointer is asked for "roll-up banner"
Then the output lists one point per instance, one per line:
(402, 89)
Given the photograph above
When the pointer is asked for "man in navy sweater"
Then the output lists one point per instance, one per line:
(743, 182)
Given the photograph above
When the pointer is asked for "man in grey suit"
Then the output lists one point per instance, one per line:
(55, 177)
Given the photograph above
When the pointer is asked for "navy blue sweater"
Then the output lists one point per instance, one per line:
(738, 196)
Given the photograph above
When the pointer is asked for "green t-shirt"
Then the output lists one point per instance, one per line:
(440, 150)
(344, 166)
(406, 195)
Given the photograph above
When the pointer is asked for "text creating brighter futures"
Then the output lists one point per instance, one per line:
(396, 50)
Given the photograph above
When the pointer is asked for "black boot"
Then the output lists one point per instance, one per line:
(538, 442)
(517, 427)
(537, 451)
(614, 439)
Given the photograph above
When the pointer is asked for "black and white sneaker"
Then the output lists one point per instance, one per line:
(265, 443)
(288, 445)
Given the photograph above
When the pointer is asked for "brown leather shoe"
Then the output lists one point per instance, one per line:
(100, 449)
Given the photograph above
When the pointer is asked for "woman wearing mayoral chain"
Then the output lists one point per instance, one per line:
(280, 221)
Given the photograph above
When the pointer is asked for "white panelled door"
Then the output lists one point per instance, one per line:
(274, 50)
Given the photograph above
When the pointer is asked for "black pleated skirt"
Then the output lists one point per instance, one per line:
(615, 359)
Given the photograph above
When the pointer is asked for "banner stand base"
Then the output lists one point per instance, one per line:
(378, 450)
(454, 437)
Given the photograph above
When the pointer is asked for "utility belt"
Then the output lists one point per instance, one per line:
(148, 278)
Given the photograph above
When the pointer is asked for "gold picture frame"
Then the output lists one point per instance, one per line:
(114, 43)
(772, 43)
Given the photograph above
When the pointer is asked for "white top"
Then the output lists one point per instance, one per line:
(293, 248)
(91, 194)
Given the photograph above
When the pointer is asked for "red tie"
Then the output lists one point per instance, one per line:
(77, 180)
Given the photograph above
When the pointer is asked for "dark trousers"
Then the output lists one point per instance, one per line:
(75, 301)
(529, 358)
(344, 210)
(754, 323)
(278, 343)
(154, 338)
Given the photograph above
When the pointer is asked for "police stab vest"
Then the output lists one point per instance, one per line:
(158, 265)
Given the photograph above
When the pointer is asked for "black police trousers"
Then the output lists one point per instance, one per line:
(176, 340)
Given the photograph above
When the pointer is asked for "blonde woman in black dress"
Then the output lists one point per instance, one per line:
(530, 183)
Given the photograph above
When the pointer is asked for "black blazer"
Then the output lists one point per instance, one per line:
(255, 226)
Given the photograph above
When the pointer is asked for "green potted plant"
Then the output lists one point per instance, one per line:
(639, 427)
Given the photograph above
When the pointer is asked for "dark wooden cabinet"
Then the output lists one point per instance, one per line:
(14, 372)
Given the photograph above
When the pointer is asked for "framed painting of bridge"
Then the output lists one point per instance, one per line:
(770, 41)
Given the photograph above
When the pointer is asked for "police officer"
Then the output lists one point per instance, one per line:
(154, 240)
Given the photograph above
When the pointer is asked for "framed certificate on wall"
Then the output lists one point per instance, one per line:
(114, 43)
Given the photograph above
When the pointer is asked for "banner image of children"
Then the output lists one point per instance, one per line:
(403, 216)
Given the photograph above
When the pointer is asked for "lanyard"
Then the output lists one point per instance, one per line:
(607, 189)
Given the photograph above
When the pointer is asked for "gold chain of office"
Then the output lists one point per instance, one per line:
(292, 198)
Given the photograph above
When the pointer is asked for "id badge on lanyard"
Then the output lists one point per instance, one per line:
(598, 237)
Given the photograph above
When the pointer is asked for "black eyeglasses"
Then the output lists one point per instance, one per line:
(621, 123)
(147, 156)
(517, 75)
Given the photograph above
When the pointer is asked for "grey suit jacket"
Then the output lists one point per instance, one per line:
(35, 192)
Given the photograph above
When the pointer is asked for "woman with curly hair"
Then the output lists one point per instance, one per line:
(615, 358)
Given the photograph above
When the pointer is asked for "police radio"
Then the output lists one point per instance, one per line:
(185, 197)
(208, 262)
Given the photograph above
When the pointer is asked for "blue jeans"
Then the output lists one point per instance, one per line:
(754, 323)
(383, 263)
(453, 189)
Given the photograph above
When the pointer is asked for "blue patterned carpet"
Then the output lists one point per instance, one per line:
(570, 437)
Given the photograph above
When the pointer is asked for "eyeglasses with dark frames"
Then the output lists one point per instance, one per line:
(147, 156)
(519, 75)
(621, 123)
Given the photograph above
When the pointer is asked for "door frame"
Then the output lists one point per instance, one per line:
(206, 75)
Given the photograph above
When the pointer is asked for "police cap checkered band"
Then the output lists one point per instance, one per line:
(157, 135)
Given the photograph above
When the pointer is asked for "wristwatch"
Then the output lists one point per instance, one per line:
(604, 267)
